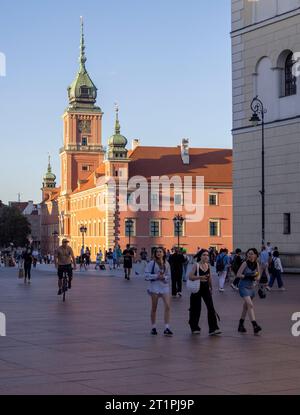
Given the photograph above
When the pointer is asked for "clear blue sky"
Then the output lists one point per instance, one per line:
(166, 62)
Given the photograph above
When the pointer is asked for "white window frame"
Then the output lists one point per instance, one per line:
(218, 221)
(159, 228)
(217, 198)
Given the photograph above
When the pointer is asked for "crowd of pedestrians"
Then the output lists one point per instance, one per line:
(166, 270)
(249, 272)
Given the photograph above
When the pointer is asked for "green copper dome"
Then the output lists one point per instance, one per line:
(49, 177)
(82, 90)
(117, 142)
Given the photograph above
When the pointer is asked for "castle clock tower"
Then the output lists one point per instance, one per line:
(82, 151)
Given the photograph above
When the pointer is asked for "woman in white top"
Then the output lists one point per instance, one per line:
(158, 274)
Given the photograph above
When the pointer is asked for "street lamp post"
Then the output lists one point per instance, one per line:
(83, 230)
(258, 111)
(129, 225)
(178, 222)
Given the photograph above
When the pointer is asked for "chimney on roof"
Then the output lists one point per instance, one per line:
(135, 143)
(185, 156)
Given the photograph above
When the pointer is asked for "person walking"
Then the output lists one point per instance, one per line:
(128, 255)
(27, 260)
(168, 254)
(110, 259)
(116, 256)
(276, 272)
(63, 259)
(87, 257)
(269, 248)
(185, 264)
(98, 260)
(158, 273)
(143, 258)
(176, 261)
(201, 271)
(235, 266)
(264, 262)
(212, 256)
(249, 274)
(82, 259)
(222, 265)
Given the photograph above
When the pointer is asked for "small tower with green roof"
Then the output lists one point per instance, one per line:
(116, 167)
(49, 177)
(117, 143)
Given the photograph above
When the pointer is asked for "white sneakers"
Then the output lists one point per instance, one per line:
(279, 289)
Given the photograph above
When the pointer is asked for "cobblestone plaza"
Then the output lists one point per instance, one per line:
(98, 341)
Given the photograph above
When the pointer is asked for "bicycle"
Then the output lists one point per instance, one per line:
(64, 285)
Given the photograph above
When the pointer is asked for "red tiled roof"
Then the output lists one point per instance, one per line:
(214, 164)
(90, 182)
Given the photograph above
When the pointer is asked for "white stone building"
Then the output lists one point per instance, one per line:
(265, 48)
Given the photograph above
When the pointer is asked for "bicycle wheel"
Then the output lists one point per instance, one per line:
(64, 287)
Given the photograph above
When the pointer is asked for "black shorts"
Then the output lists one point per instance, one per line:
(64, 268)
(127, 264)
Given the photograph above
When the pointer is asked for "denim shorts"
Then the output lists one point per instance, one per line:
(246, 289)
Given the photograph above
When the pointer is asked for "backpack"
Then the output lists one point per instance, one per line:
(272, 266)
(236, 263)
(220, 266)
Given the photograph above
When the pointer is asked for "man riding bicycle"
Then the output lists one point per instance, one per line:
(63, 259)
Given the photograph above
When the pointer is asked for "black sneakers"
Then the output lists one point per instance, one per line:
(257, 329)
(168, 333)
(196, 331)
(154, 332)
(59, 292)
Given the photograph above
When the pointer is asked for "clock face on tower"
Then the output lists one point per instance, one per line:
(84, 126)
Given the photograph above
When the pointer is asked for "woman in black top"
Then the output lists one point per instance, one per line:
(27, 257)
(128, 255)
(201, 271)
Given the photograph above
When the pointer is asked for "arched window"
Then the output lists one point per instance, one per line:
(290, 85)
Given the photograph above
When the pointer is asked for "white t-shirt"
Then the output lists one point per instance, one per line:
(151, 274)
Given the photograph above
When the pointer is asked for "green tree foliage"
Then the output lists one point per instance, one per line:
(14, 227)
